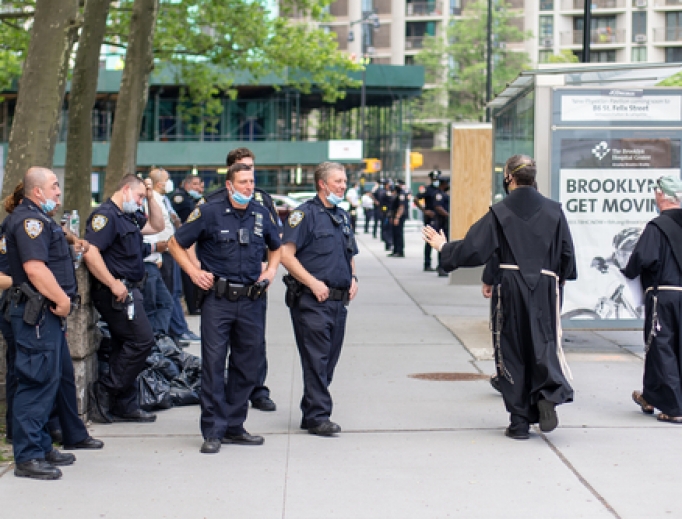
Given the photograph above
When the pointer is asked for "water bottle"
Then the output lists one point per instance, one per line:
(74, 227)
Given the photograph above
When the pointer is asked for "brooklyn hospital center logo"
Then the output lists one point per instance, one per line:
(601, 150)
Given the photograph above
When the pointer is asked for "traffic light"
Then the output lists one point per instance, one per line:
(372, 165)
(416, 159)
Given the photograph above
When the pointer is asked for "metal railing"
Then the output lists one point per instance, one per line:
(571, 5)
(414, 42)
(424, 9)
(662, 34)
(605, 36)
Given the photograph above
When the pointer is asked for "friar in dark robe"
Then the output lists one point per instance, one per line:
(657, 260)
(530, 237)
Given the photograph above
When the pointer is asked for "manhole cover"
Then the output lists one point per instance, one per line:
(450, 377)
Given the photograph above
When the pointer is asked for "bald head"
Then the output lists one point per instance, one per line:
(36, 177)
(158, 175)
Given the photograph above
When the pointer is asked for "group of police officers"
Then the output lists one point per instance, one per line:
(230, 246)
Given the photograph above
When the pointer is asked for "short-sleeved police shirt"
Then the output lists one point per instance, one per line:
(31, 235)
(230, 242)
(118, 237)
(429, 197)
(324, 241)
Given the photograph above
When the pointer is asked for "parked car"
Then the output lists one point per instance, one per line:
(284, 205)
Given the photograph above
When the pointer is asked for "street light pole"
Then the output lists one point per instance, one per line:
(587, 32)
(489, 64)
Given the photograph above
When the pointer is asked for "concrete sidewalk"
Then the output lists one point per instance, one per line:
(410, 448)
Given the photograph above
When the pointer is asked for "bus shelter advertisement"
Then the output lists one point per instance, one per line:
(607, 193)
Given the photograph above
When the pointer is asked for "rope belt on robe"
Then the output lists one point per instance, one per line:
(655, 323)
(557, 316)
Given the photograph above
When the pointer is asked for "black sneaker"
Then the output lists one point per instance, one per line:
(264, 403)
(516, 434)
(210, 446)
(327, 428)
(495, 383)
(548, 418)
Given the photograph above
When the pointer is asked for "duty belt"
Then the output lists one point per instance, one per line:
(335, 294)
(98, 285)
(557, 316)
(233, 291)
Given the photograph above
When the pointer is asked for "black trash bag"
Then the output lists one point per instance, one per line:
(163, 365)
(153, 390)
(167, 346)
(182, 394)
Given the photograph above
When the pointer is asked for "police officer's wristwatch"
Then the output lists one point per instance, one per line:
(355, 278)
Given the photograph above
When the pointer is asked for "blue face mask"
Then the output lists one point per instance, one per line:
(194, 194)
(333, 199)
(241, 199)
(48, 205)
(129, 206)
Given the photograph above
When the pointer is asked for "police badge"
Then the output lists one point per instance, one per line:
(33, 227)
(295, 218)
(178, 199)
(99, 222)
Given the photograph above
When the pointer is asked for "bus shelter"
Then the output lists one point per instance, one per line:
(601, 136)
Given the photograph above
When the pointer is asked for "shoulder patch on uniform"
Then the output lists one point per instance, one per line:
(439, 197)
(201, 201)
(258, 196)
(178, 199)
(3, 245)
(295, 218)
(194, 215)
(33, 227)
(99, 222)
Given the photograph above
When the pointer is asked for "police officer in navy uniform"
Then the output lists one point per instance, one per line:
(442, 210)
(260, 396)
(426, 202)
(115, 259)
(318, 251)
(231, 235)
(400, 206)
(43, 293)
(186, 196)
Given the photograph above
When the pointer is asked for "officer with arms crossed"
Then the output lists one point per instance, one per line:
(231, 235)
(43, 294)
(318, 251)
(115, 259)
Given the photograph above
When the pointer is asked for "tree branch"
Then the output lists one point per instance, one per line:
(17, 15)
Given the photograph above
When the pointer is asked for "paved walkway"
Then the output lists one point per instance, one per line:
(411, 448)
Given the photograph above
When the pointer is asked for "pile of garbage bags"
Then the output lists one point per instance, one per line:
(172, 377)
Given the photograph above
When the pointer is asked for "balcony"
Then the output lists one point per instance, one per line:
(668, 35)
(579, 5)
(414, 42)
(666, 3)
(597, 37)
(424, 9)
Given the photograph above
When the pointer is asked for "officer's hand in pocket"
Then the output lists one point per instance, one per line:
(63, 307)
(119, 290)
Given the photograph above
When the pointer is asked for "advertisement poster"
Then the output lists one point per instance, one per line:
(607, 193)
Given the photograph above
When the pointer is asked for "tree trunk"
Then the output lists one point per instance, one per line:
(78, 167)
(41, 90)
(132, 97)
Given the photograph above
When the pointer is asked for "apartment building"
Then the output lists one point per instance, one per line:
(621, 31)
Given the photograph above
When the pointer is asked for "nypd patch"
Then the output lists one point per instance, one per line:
(439, 197)
(295, 218)
(33, 227)
(99, 222)
(3, 245)
(178, 199)
(194, 215)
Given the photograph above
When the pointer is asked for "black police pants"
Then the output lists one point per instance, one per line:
(261, 390)
(131, 344)
(168, 270)
(369, 216)
(190, 291)
(377, 221)
(427, 248)
(10, 377)
(319, 329)
(45, 377)
(399, 237)
(237, 327)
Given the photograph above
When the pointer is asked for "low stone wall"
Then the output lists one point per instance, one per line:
(83, 338)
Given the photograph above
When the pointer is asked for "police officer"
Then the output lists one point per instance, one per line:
(115, 259)
(43, 294)
(385, 203)
(186, 196)
(260, 396)
(399, 209)
(442, 209)
(231, 235)
(426, 203)
(318, 251)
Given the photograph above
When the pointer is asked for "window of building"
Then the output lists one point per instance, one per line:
(455, 7)
(546, 5)
(673, 26)
(367, 6)
(638, 26)
(544, 55)
(603, 29)
(638, 54)
(546, 27)
(603, 56)
(673, 54)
